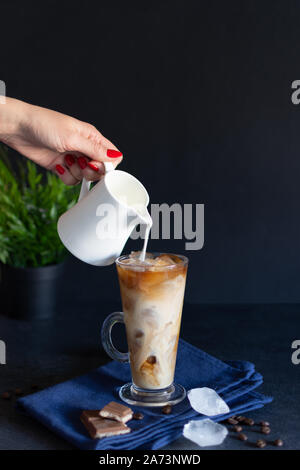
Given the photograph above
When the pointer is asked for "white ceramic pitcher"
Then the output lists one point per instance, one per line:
(96, 229)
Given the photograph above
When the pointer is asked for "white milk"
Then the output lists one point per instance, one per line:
(143, 215)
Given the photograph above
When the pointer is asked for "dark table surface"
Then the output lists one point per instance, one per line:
(50, 351)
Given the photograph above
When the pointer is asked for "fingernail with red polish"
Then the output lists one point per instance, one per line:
(60, 169)
(82, 162)
(114, 153)
(93, 166)
(69, 159)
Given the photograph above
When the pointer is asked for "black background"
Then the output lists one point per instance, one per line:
(197, 95)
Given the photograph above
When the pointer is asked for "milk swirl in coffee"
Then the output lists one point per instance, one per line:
(152, 290)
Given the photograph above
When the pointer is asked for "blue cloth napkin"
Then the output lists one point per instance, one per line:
(59, 407)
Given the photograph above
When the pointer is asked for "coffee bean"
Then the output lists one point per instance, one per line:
(240, 419)
(137, 416)
(249, 421)
(237, 428)
(265, 430)
(34, 387)
(242, 437)
(264, 423)
(232, 421)
(278, 442)
(6, 396)
(261, 443)
(167, 409)
(18, 392)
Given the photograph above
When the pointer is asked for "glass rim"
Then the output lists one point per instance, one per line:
(184, 262)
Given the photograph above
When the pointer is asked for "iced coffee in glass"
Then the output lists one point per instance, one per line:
(152, 293)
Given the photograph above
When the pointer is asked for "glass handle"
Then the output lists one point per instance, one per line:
(109, 322)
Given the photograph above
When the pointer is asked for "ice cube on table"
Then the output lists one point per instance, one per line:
(207, 402)
(205, 432)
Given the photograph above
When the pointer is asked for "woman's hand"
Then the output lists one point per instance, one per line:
(71, 148)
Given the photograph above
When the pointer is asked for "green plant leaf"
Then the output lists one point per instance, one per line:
(31, 200)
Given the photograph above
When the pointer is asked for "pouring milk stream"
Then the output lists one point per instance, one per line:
(97, 227)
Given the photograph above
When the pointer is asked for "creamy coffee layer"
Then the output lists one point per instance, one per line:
(152, 294)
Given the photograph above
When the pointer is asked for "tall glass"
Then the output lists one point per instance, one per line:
(152, 298)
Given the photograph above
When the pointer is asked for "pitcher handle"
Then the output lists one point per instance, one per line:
(85, 185)
(109, 322)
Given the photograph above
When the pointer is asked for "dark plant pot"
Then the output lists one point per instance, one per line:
(30, 293)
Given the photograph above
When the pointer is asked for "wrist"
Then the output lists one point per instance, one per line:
(12, 115)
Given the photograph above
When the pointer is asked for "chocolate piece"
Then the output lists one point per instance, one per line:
(18, 392)
(151, 360)
(261, 443)
(137, 416)
(167, 409)
(242, 437)
(116, 411)
(90, 415)
(6, 395)
(139, 334)
(34, 387)
(278, 442)
(101, 427)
